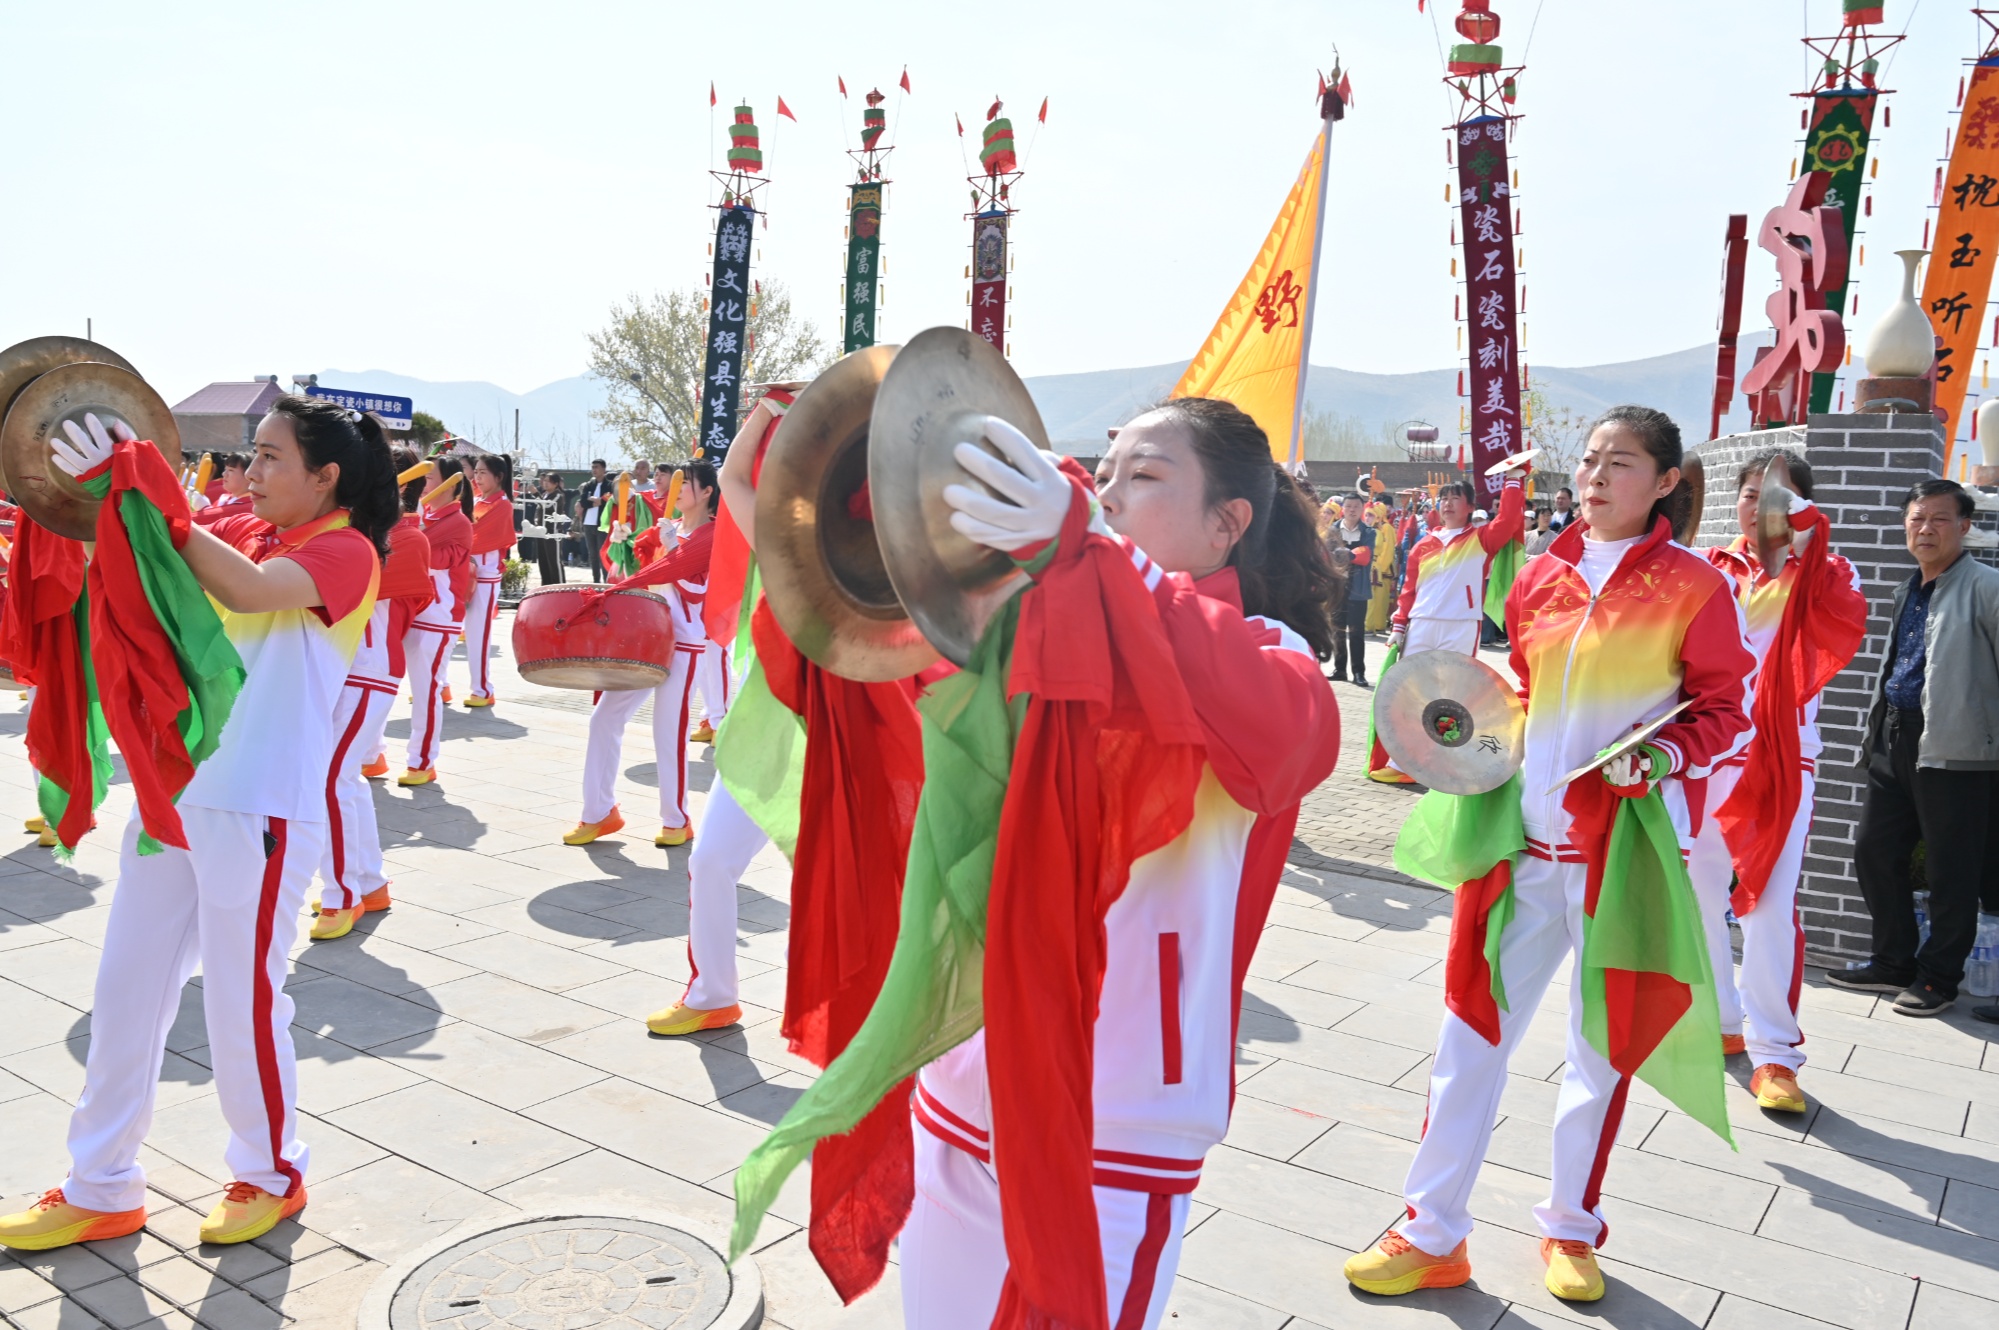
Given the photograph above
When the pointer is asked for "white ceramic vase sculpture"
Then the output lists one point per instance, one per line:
(1902, 344)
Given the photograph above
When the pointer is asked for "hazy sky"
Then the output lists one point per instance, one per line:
(459, 191)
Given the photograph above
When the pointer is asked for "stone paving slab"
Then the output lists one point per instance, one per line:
(478, 1051)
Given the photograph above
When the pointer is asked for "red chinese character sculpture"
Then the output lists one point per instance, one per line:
(1809, 242)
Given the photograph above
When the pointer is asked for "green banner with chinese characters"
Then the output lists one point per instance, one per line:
(1836, 143)
(864, 223)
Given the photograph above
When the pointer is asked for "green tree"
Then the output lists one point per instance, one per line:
(425, 429)
(649, 358)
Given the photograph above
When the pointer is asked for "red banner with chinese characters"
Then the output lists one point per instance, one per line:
(989, 278)
(1967, 244)
(1492, 297)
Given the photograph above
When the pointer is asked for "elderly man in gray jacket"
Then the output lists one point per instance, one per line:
(1932, 759)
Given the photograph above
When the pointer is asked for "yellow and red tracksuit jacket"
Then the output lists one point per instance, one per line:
(1446, 574)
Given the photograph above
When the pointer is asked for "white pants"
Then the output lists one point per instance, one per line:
(954, 1254)
(728, 840)
(479, 613)
(669, 741)
(713, 681)
(1469, 1075)
(1764, 1009)
(230, 903)
(353, 862)
(426, 651)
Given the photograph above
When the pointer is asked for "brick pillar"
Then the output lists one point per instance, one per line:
(1861, 466)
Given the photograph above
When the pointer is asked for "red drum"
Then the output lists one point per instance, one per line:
(600, 639)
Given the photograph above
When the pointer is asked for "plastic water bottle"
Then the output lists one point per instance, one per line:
(1922, 904)
(1981, 972)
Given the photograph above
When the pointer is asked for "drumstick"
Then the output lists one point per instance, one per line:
(436, 497)
(624, 496)
(673, 491)
(204, 473)
(417, 472)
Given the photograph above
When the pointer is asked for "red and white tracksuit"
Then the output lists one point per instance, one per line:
(714, 681)
(1599, 649)
(492, 537)
(681, 576)
(1443, 588)
(229, 904)
(353, 863)
(428, 644)
(1180, 939)
(1763, 1005)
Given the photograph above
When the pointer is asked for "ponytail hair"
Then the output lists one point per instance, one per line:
(1660, 437)
(331, 435)
(449, 466)
(1282, 566)
(404, 458)
(500, 465)
(701, 472)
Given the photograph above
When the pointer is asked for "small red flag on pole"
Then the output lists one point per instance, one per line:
(905, 78)
(785, 111)
(960, 123)
(843, 85)
(1043, 117)
(711, 94)
(1346, 89)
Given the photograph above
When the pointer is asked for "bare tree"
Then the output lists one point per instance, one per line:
(1560, 433)
(649, 358)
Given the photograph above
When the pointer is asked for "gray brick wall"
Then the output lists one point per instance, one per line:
(1861, 466)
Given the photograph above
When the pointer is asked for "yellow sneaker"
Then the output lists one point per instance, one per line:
(377, 769)
(417, 776)
(1390, 776)
(36, 824)
(330, 924)
(1572, 1273)
(54, 1222)
(1395, 1265)
(246, 1211)
(671, 836)
(47, 840)
(588, 831)
(477, 701)
(704, 733)
(1776, 1086)
(683, 1019)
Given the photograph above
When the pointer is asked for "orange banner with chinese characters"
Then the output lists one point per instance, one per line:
(1967, 245)
(1255, 355)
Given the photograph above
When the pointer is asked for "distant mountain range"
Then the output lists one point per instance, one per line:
(555, 425)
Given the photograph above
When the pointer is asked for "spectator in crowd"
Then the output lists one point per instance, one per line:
(1382, 605)
(592, 498)
(1543, 534)
(1565, 510)
(1932, 753)
(1350, 616)
(548, 550)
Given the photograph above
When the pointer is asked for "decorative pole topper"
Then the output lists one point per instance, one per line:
(867, 197)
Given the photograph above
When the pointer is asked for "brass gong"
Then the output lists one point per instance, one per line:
(24, 362)
(817, 552)
(68, 393)
(935, 396)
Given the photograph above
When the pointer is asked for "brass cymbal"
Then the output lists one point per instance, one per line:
(23, 362)
(65, 393)
(933, 398)
(816, 545)
(1450, 721)
(1630, 743)
(1774, 537)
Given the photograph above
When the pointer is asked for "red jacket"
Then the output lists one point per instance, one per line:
(450, 536)
(1444, 579)
(493, 525)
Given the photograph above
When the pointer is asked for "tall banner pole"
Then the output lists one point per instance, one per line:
(1959, 280)
(992, 218)
(1494, 424)
(867, 198)
(1331, 108)
(730, 295)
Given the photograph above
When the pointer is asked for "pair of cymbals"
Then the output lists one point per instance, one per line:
(859, 559)
(46, 382)
(1450, 721)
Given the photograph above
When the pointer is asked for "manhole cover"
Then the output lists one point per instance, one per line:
(571, 1272)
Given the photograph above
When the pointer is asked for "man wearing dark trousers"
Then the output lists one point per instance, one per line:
(1932, 760)
(1350, 615)
(591, 499)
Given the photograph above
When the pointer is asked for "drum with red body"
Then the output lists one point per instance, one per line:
(600, 639)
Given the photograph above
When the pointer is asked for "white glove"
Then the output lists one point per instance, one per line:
(1397, 638)
(197, 502)
(87, 447)
(1634, 768)
(620, 531)
(1035, 493)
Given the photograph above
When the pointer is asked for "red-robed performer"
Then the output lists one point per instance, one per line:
(492, 537)
(447, 525)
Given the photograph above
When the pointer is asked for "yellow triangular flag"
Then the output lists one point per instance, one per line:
(1254, 355)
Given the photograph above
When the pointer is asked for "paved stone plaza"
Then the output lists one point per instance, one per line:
(479, 1050)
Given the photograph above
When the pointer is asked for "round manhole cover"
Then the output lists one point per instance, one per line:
(583, 1272)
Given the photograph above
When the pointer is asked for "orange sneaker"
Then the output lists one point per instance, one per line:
(1776, 1086)
(1572, 1272)
(447, 694)
(247, 1211)
(417, 776)
(704, 733)
(588, 831)
(1395, 1265)
(1390, 776)
(671, 836)
(376, 769)
(1732, 1044)
(683, 1019)
(54, 1222)
(374, 901)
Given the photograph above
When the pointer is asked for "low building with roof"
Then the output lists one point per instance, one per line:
(223, 416)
